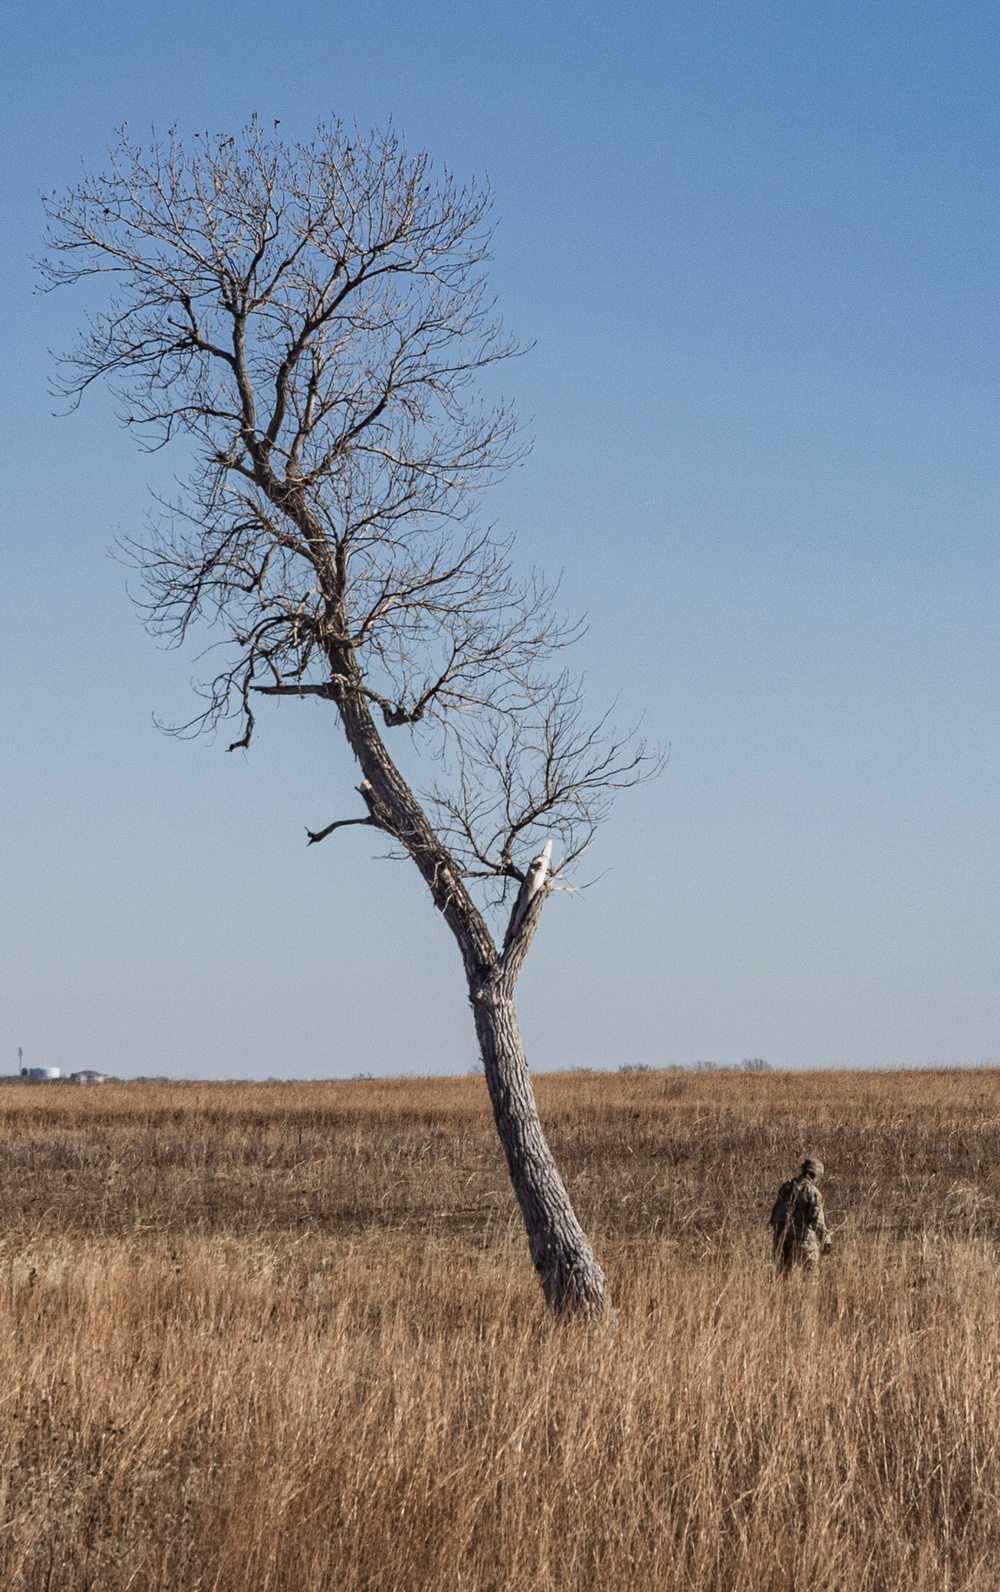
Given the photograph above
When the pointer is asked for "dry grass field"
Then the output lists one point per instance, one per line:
(285, 1338)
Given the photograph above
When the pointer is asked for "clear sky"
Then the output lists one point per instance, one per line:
(757, 250)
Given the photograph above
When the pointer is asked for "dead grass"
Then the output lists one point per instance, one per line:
(285, 1338)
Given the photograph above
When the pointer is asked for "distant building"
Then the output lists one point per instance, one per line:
(88, 1075)
(40, 1074)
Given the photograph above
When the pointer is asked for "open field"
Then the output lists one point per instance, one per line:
(284, 1338)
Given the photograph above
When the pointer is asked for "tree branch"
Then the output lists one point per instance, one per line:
(525, 913)
(341, 823)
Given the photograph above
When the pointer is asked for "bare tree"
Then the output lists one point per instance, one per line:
(310, 319)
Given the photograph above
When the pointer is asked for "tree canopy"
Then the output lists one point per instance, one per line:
(312, 319)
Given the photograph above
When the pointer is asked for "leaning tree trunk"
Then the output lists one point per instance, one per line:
(571, 1277)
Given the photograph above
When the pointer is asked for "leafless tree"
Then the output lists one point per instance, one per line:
(310, 320)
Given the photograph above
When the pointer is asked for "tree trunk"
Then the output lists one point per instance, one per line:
(573, 1281)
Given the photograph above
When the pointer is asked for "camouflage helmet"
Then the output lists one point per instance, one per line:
(811, 1167)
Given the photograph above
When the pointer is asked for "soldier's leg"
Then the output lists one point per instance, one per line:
(784, 1253)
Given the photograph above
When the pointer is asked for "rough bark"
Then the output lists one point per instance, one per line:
(571, 1277)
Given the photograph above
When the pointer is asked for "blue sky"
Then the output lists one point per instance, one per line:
(756, 249)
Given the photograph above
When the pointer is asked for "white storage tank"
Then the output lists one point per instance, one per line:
(40, 1074)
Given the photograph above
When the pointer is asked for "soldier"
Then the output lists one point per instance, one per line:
(798, 1224)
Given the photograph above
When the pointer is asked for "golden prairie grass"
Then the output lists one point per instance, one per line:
(286, 1338)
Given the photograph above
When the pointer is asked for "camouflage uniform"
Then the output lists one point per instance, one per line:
(798, 1224)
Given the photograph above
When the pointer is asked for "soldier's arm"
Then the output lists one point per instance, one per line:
(822, 1231)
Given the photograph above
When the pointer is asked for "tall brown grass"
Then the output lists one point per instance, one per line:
(286, 1338)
